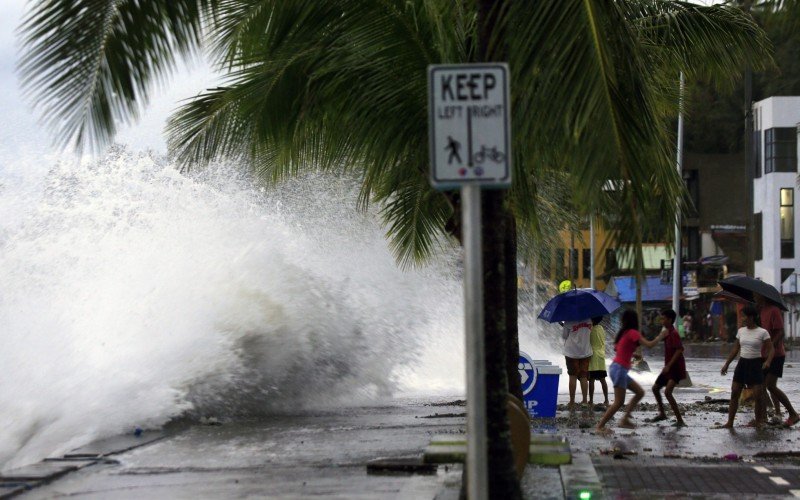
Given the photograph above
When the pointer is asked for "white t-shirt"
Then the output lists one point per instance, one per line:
(750, 341)
(577, 335)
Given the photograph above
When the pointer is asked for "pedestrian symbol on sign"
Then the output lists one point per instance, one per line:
(453, 146)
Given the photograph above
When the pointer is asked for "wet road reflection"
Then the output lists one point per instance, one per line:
(703, 405)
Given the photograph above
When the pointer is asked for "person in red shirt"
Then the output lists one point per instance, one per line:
(628, 339)
(772, 322)
(674, 369)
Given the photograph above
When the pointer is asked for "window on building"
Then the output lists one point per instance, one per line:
(693, 243)
(786, 272)
(611, 259)
(757, 153)
(573, 263)
(692, 180)
(787, 223)
(561, 264)
(757, 233)
(780, 150)
(587, 263)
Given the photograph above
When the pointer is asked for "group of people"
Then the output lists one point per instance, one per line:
(760, 348)
(761, 358)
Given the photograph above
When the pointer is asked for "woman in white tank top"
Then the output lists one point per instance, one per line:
(749, 370)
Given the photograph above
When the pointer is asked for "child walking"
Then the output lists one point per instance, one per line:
(625, 343)
(674, 369)
(597, 366)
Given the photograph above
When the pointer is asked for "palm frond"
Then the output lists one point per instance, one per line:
(716, 41)
(335, 93)
(88, 65)
(602, 124)
(343, 89)
(415, 215)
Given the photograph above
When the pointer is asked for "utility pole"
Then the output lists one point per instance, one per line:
(749, 170)
(591, 251)
(749, 163)
(676, 261)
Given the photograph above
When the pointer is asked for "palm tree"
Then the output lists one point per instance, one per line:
(340, 85)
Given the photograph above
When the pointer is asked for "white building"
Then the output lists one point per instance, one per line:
(776, 123)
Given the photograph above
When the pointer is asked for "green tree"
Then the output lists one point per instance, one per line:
(340, 85)
(716, 118)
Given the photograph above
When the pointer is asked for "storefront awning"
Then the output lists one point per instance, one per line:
(652, 289)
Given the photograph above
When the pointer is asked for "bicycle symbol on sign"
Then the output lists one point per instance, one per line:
(492, 154)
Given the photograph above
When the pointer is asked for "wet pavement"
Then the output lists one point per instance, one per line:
(675, 479)
(703, 405)
(326, 454)
(292, 456)
(656, 460)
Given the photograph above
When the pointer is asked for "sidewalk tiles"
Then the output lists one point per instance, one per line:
(670, 476)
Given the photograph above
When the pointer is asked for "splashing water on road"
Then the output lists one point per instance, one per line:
(132, 295)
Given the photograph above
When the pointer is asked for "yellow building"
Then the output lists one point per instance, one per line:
(572, 259)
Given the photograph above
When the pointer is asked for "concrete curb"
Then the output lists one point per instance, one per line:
(545, 449)
(581, 477)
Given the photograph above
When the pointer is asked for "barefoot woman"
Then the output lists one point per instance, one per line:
(628, 339)
(749, 370)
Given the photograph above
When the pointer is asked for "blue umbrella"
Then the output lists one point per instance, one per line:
(576, 305)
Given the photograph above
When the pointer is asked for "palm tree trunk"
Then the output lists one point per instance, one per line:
(498, 278)
(512, 301)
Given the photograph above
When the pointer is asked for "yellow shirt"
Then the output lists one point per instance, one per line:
(597, 338)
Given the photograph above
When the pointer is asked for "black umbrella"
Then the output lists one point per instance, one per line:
(744, 287)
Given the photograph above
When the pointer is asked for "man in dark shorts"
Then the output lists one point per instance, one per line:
(577, 354)
(674, 369)
(772, 321)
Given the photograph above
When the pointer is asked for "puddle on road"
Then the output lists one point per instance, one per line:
(702, 405)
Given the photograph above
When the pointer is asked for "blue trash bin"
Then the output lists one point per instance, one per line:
(539, 385)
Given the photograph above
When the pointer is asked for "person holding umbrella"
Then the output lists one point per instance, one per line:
(769, 302)
(772, 322)
(577, 353)
(627, 340)
(573, 309)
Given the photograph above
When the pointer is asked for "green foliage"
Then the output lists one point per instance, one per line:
(340, 85)
(88, 64)
(716, 115)
(613, 120)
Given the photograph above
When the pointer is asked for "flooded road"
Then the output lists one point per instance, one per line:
(324, 453)
(703, 405)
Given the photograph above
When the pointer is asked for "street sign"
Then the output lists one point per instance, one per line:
(469, 125)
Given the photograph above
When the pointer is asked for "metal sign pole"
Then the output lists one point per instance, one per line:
(676, 261)
(477, 446)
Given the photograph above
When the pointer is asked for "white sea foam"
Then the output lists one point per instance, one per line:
(131, 294)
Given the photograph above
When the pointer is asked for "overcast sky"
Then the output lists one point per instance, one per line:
(17, 127)
(19, 131)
